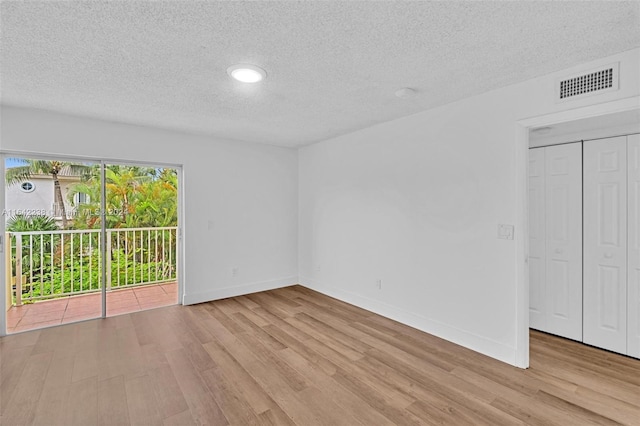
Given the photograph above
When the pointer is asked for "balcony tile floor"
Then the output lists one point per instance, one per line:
(78, 308)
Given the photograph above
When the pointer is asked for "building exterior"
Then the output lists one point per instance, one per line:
(36, 196)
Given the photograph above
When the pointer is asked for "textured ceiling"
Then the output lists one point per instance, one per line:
(333, 67)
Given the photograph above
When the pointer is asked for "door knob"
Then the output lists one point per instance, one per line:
(558, 251)
(608, 255)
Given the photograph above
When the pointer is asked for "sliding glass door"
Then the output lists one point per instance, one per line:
(87, 240)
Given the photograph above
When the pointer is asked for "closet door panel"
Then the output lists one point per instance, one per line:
(537, 246)
(563, 211)
(605, 244)
(633, 291)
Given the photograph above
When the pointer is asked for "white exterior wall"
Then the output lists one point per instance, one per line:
(40, 201)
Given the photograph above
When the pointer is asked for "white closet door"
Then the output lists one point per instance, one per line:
(633, 161)
(537, 247)
(605, 244)
(563, 211)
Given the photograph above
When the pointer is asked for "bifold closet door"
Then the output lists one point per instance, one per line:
(563, 211)
(605, 243)
(555, 260)
(537, 241)
(633, 161)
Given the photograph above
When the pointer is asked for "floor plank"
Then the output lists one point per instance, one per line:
(142, 404)
(204, 408)
(112, 402)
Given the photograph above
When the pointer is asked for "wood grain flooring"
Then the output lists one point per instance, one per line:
(295, 357)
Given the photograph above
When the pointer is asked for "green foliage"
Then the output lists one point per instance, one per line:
(85, 274)
(38, 246)
(23, 223)
(30, 167)
(137, 197)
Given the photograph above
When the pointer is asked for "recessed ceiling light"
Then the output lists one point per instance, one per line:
(246, 73)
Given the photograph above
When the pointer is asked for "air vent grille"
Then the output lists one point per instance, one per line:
(604, 79)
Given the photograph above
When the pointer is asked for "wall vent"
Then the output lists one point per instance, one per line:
(593, 82)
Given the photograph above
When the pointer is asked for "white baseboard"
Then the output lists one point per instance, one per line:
(240, 290)
(460, 337)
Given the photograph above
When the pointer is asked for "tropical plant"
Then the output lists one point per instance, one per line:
(36, 249)
(136, 197)
(157, 200)
(31, 167)
(24, 223)
(84, 274)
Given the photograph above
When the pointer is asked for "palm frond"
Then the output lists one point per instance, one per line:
(18, 174)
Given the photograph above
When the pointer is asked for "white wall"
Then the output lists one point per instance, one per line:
(240, 199)
(416, 203)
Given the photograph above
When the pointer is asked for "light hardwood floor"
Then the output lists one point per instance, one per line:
(293, 356)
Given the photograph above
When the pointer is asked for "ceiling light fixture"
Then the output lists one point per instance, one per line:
(246, 73)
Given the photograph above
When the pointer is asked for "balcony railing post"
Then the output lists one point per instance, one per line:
(7, 270)
(18, 270)
(108, 259)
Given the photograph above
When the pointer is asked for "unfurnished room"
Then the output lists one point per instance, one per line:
(320, 213)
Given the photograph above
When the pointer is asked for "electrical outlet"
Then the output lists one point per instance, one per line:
(234, 271)
(379, 284)
(318, 269)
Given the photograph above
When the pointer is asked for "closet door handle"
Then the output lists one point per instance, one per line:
(558, 251)
(608, 255)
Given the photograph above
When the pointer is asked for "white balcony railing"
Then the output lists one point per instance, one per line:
(50, 264)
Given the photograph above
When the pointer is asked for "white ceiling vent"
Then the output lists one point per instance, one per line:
(593, 82)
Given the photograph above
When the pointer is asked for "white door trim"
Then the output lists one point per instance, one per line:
(522, 209)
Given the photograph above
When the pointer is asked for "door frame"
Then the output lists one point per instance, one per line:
(101, 161)
(522, 128)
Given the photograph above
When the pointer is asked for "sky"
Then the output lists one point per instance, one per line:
(11, 162)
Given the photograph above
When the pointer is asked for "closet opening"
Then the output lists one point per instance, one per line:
(583, 205)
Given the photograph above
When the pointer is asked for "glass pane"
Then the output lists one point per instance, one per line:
(55, 273)
(142, 219)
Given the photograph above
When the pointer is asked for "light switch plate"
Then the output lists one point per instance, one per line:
(505, 232)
